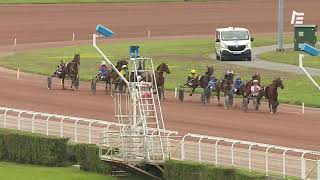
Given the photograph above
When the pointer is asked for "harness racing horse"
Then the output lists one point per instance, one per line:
(159, 74)
(204, 84)
(271, 93)
(113, 78)
(227, 87)
(71, 70)
(247, 87)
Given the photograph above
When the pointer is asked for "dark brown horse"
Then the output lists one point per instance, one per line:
(204, 81)
(119, 85)
(71, 70)
(161, 69)
(271, 93)
(227, 87)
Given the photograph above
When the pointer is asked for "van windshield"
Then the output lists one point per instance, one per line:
(234, 35)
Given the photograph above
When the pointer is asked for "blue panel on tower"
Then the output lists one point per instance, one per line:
(104, 31)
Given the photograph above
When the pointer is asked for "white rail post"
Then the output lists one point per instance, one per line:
(15, 42)
(232, 152)
(301, 56)
(182, 149)
(5, 118)
(73, 37)
(47, 125)
(199, 148)
(75, 131)
(19, 124)
(303, 108)
(61, 126)
(32, 122)
(318, 170)
(267, 160)
(250, 147)
(216, 150)
(284, 163)
(303, 166)
(89, 135)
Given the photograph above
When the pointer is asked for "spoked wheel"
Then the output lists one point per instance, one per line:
(228, 101)
(76, 83)
(255, 104)
(181, 95)
(93, 86)
(159, 93)
(245, 104)
(205, 96)
(49, 81)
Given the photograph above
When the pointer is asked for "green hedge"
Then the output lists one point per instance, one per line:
(184, 170)
(87, 155)
(23, 147)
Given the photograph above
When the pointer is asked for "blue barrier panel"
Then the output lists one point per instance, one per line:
(104, 31)
(309, 49)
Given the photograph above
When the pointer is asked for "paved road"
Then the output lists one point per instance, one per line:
(259, 63)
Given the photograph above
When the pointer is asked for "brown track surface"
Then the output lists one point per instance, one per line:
(43, 23)
(40, 23)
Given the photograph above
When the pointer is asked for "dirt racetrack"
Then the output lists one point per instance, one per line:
(287, 128)
(42, 23)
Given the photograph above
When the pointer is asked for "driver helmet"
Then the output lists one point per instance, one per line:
(255, 81)
(193, 71)
(103, 63)
(124, 66)
(238, 78)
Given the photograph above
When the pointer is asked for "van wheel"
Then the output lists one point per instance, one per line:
(249, 58)
(222, 58)
(217, 57)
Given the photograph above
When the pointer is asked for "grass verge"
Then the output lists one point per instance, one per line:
(291, 57)
(32, 172)
(181, 55)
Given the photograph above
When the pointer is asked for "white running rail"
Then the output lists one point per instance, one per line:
(267, 158)
(301, 56)
(194, 147)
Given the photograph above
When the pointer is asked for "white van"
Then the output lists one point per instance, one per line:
(233, 43)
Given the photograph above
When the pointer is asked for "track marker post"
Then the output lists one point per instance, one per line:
(15, 42)
(175, 92)
(73, 37)
(303, 108)
(149, 33)
(18, 74)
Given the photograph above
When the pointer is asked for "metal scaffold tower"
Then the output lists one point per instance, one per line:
(143, 138)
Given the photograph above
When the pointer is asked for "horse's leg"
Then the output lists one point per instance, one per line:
(270, 109)
(218, 94)
(193, 89)
(63, 83)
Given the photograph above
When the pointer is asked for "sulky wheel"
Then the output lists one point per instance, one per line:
(245, 104)
(181, 95)
(77, 84)
(49, 81)
(255, 104)
(226, 102)
(93, 86)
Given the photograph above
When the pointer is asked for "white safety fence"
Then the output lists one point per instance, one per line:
(79, 130)
(266, 158)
